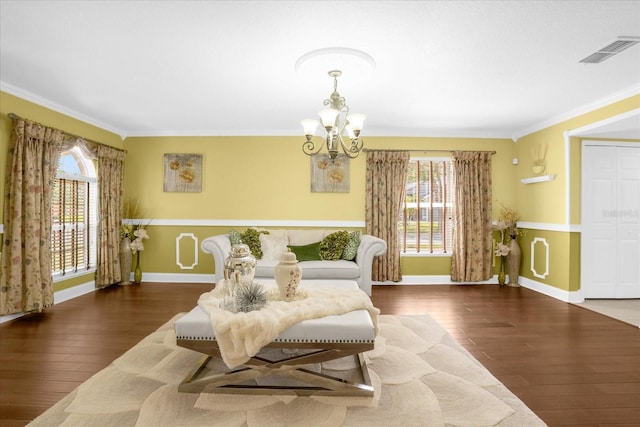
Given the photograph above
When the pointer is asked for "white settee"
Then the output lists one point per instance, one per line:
(273, 246)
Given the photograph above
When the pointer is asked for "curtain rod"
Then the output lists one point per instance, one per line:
(13, 116)
(425, 151)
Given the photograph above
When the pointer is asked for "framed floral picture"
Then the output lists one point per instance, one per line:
(328, 176)
(183, 173)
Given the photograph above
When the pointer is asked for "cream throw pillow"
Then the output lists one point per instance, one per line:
(307, 236)
(274, 244)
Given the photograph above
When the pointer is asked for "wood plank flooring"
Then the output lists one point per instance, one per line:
(571, 366)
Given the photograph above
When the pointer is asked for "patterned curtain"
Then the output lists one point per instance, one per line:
(385, 193)
(472, 255)
(25, 276)
(110, 190)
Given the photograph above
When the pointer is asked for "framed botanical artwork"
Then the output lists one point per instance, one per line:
(182, 173)
(328, 176)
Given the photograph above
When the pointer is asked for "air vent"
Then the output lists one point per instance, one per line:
(611, 49)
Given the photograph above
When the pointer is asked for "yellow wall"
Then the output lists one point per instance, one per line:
(545, 202)
(268, 178)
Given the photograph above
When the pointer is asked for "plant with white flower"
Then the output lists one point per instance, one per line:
(137, 244)
(502, 249)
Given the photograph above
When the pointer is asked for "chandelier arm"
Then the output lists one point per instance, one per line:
(357, 144)
(308, 147)
(350, 152)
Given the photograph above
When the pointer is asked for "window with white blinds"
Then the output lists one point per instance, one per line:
(73, 217)
(426, 220)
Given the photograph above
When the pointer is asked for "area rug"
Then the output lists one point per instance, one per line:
(421, 376)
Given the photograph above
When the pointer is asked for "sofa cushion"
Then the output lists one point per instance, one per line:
(351, 249)
(340, 269)
(333, 245)
(266, 268)
(274, 244)
(310, 252)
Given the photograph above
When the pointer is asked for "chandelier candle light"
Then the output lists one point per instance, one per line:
(337, 122)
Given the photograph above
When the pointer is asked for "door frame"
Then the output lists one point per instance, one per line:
(585, 143)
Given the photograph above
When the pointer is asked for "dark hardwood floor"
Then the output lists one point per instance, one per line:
(571, 366)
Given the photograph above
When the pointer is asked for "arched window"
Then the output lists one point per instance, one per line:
(74, 215)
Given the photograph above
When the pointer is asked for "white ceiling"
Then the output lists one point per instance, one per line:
(443, 68)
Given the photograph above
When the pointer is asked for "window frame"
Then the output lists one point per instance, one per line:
(87, 175)
(429, 251)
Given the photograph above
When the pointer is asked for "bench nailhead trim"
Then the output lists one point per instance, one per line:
(347, 341)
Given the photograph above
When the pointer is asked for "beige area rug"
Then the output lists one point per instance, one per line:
(421, 376)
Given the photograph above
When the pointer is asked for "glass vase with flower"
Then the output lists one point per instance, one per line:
(507, 247)
(137, 246)
(133, 233)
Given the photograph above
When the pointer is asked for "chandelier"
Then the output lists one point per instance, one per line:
(337, 125)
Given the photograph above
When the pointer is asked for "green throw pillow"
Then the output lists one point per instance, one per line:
(235, 237)
(333, 245)
(251, 238)
(351, 250)
(310, 252)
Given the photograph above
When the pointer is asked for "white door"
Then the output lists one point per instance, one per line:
(628, 205)
(610, 240)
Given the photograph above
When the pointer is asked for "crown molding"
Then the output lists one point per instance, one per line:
(603, 102)
(371, 132)
(44, 102)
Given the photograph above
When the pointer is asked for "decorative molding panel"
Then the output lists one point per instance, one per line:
(195, 251)
(543, 241)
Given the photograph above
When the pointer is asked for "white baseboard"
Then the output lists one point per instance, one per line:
(85, 288)
(552, 291)
(76, 291)
(434, 280)
(178, 278)
(60, 296)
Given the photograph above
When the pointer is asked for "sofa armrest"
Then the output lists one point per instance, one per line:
(370, 246)
(218, 246)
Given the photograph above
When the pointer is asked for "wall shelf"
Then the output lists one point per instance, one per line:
(535, 179)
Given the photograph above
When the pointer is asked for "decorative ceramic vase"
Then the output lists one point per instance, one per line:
(513, 262)
(126, 258)
(137, 274)
(501, 272)
(288, 275)
(240, 265)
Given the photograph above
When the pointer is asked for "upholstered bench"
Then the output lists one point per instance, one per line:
(309, 342)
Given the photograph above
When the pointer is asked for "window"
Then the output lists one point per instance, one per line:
(73, 215)
(426, 224)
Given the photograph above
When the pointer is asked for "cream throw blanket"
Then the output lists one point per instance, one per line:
(240, 336)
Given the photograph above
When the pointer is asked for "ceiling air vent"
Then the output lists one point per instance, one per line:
(611, 49)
